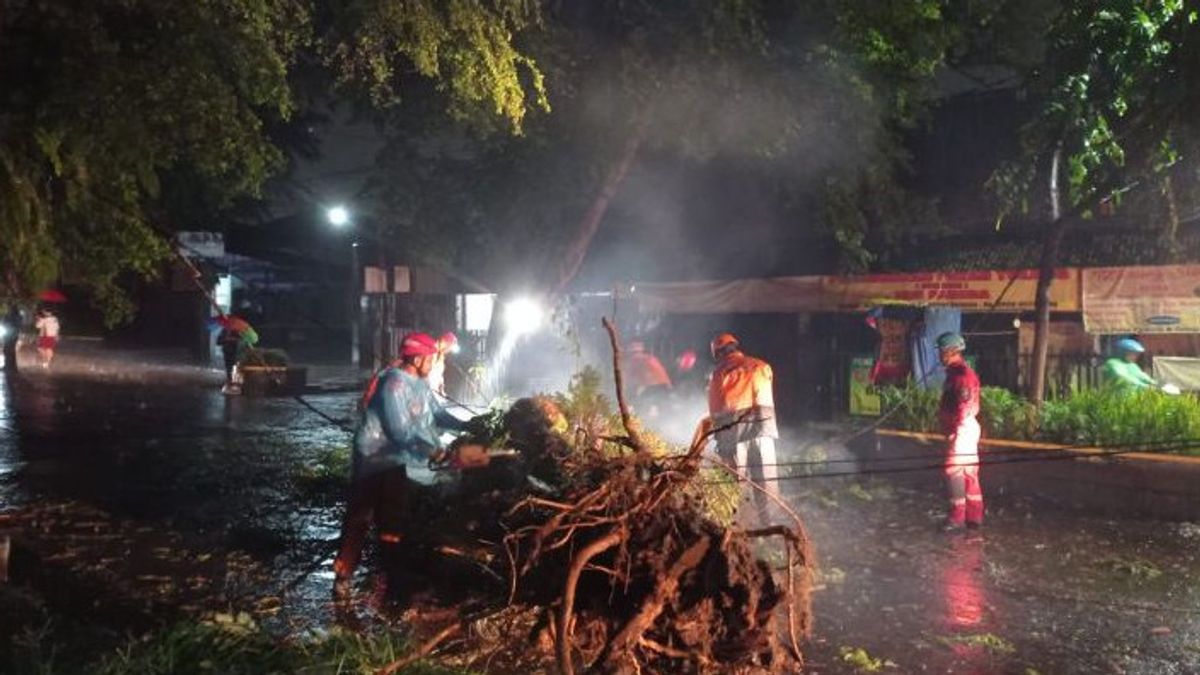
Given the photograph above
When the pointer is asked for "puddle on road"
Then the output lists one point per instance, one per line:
(1048, 592)
(173, 501)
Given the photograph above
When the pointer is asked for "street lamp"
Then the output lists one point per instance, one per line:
(339, 217)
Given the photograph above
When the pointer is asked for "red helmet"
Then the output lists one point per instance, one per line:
(722, 342)
(448, 343)
(686, 360)
(418, 344)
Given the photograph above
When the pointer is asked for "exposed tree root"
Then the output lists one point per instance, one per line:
(621, 561)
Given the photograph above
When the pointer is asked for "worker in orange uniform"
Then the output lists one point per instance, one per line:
(648, 380)
(741, 407)
(957, 414)
(447, 344)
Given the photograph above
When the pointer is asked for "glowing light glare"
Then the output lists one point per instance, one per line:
(338, 216)
(3, 331)
(523, 316)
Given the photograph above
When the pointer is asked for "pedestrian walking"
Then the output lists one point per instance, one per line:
(957, 413)
(741, 407)
(48, 328)
(230, 342)
(10, 331)
(400, 426)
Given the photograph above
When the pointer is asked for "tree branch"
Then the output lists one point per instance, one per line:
(626, 418)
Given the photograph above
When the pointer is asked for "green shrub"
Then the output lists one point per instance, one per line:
(1004, 414)
(234, 644)
(1102, 417)
(910, 407)
(273, 358)
(1111, 418)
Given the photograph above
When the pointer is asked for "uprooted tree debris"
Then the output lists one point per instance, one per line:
(607, 549)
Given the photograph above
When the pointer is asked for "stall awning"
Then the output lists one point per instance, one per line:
(982, 291)
(1159, 299)
(977, 291)
(784, 295)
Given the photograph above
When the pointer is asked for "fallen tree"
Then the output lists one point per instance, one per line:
(606, 548)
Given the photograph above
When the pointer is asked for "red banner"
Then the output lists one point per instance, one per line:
(980, 291)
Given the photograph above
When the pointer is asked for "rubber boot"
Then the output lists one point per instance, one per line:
(974, 512)
(957, 518)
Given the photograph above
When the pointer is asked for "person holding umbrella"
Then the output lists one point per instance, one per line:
(48, 328)
(235, 332)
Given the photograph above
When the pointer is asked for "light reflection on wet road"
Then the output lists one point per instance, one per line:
(182, 467)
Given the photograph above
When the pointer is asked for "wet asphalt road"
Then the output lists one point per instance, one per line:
(171, 499)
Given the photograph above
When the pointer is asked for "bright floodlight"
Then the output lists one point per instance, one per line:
(523, 316)
(338, 216)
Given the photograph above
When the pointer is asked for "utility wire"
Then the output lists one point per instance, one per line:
(1059, 455)
(1077, 450)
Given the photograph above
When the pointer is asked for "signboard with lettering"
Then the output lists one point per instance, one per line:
(201, 244)
(1160, 299)
(978, 291)
(864, 397)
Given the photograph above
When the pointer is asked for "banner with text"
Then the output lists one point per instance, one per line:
(981, 291)
(1160, 299)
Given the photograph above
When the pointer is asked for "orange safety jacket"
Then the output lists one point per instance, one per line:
(645, 371)
(740, 394)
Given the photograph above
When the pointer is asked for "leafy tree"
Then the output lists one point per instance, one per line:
(817, 92)
(112, 108)
(1115, 99)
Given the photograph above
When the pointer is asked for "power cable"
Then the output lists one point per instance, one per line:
(1149, 447)
(1059, 455)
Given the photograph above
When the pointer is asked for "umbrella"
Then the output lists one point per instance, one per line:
(235, 324)
(52, 295)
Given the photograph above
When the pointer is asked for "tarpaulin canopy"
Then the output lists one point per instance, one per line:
(1179, 371)
(777, 295)
(1159, 299)
(979, 291)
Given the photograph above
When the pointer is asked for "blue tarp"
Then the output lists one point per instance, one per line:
(926, 368)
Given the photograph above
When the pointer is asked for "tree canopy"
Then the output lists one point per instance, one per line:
(1114, 95)
(815, 95)
(105, 105)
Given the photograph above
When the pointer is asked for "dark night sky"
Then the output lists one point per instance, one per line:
(675, 220)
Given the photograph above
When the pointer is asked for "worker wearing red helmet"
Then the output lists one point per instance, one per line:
(957, 413)
(648, 379)
(399, 427)
(447, 344)
(741, 407)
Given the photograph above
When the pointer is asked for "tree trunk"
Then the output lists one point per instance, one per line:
(578, 248)
(1050, 246)
(1168, 191)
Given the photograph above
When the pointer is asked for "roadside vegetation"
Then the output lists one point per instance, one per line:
(1101, 417)
(230, 644)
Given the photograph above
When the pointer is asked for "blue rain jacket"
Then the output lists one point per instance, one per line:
(400, 426)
